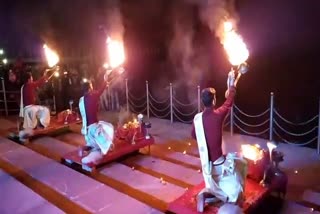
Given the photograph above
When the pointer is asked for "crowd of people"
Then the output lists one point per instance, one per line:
(66, 87)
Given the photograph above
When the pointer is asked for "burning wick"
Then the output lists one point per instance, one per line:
(184, 152)
(133, 168)
(271, 147)
(199, 170)
(189, 144)
(296, 171)
(169, 148)
(56, 74)
(84, 80)
(228, 26)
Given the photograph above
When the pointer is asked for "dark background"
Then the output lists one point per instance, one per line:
(282, 36)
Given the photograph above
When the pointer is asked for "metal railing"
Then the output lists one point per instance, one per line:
(272, 122)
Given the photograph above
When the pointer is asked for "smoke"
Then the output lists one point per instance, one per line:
(215, 12)
(190, 56)
(115, 28)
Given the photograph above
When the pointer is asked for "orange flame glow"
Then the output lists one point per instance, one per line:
(234, 46)
(251, 152)
(51, 56)
(115, 52)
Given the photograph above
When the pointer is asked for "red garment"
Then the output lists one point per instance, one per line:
(29, 93)
(91, 104)
(213, 124)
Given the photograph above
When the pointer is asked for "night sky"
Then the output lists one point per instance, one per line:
(282, 36)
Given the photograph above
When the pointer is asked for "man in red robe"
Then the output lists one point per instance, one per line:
(207, 130)
(31, 112)
(98, 134)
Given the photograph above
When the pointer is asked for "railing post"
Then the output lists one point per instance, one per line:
(199, 101)
(4, 96)
(127, 95)
(271, 117)
(147, 92)
(54, 99)
(231, 119)
(171, 103)
(318, 147)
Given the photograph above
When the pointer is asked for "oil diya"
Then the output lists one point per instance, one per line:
(258, 161)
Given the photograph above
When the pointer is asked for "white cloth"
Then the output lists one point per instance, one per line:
(225, 177)
(98, 135)
(210, 185)
(33, 113)
(83, 115)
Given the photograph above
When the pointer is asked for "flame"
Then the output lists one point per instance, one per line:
(52, 56)
(251, 152)
(56, 74)
(234, 46)
(115, 52)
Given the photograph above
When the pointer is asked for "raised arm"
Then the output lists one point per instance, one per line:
(230, 93)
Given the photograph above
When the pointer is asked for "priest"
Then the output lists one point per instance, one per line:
(207, 130)
(98, 134)
(34, 116)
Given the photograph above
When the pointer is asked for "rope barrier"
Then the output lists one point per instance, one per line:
(251, 125)
(137, 106)
(185, 114)
(157, 101)
(295, 144)
(132, 110)
(292, 123)
(181, 120)
(294, 134)
(251, 133)
(135, 98)
(184, 104)
(161, 117)
(226, 124)
(248, 115)
(157, 109)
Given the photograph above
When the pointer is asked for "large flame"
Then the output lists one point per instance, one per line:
(234, 46)
(51, 56)
(115, 52)
(251, 152)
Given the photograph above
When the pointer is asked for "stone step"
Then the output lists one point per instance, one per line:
(176, 157)
(290, 207)
(14, 193)
(148, 184)
(311, 197)
(72, 138)
(53, 145)
(76, 187)
(175, 171)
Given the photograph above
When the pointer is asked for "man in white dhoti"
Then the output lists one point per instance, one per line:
(222, 176)
(98, 134)
(33, 115)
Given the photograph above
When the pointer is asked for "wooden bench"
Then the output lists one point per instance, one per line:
(121, 148)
